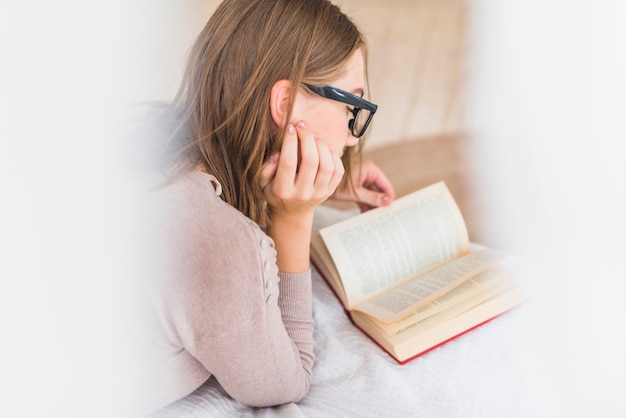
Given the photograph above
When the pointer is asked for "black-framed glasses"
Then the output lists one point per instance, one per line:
(363, 111)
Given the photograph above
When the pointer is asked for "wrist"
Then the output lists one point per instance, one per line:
(302, 219)
(292, 238)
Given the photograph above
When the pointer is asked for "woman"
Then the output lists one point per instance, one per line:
(268, 111)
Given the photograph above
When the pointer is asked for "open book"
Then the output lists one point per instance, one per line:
(406, 276)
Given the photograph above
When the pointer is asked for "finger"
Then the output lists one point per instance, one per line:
(338, 172)
(383, 185)
(363, 207)
(309, 158)
(288, 159)
(372, 198)
(268, 171)
(376, 180)
(326, 167)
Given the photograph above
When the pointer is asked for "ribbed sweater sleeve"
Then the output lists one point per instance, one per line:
(297, 313)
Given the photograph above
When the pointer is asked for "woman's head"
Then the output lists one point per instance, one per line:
(247, 47)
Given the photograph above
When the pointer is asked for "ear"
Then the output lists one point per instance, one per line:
(279, 101)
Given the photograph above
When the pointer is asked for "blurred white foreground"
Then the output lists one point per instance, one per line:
(546, 111)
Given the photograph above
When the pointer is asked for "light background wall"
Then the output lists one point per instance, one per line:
(416, 60)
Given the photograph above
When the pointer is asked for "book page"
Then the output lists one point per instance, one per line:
(323, 262)
(404, 299)
(379, 249)
(421, 336)
(450, 323)
(474, 291)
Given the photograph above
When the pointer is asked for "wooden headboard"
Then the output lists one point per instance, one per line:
(416, 66)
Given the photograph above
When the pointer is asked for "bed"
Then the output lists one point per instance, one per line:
(485, 373)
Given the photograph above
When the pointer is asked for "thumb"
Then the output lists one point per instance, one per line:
(268, 171)
(372, 198)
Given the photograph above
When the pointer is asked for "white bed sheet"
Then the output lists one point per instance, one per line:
(489, 372)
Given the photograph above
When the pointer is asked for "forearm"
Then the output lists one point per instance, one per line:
(292, 238)
(295, 303)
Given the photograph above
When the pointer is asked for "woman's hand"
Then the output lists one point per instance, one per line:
(301, 176)
(372, 188)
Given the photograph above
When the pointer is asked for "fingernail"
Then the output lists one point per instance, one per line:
(385, 200)
(301, 124)
(291, 129)
(274, 156)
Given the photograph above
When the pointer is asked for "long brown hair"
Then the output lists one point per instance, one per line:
(225, 126)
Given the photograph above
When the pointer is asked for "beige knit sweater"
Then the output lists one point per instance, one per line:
(220, 306)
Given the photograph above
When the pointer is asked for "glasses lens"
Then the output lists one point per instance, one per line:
(361, 121)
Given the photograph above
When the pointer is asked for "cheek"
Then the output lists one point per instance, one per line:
(335, 134)
(329, 121)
